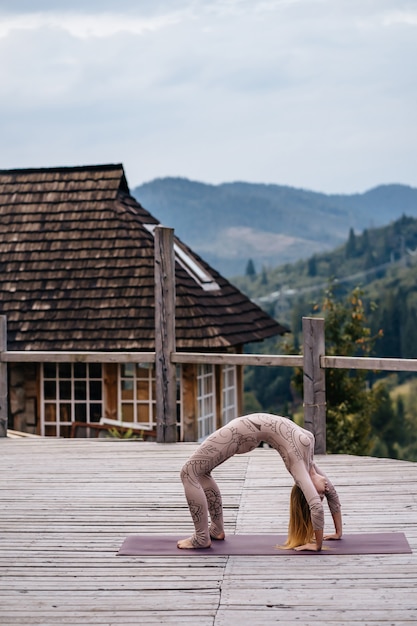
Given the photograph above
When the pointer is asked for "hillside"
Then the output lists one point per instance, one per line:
(229, 224)
(382, 261)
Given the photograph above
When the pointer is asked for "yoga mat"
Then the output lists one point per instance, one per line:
(264, 545)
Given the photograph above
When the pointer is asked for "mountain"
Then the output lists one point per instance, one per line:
(230, 223)
(378, 260)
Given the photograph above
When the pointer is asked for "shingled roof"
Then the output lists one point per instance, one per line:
(77, 270)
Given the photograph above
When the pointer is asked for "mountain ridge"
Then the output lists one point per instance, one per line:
(229, 223)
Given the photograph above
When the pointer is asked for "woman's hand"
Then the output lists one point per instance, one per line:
(333, 537)
(308, 546)
(338, 526)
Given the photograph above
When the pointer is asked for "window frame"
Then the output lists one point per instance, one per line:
(206, 400)
(71, 401)
(229, 393)
(150, 424)
(135, 402)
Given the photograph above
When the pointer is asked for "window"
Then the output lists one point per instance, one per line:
(206, 417)
(190, 264)
(229, 395)
(71, 392)
(195, 270)
(137, 396)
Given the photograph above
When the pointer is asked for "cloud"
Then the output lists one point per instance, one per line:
(310, 93)
(18, 7)
(86, 25)
(407, 17)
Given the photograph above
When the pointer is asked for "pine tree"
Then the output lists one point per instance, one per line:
(250, 269)
(365, 240)
(312, 266)
(350, 250)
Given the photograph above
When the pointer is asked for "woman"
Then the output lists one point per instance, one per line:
(296, 447)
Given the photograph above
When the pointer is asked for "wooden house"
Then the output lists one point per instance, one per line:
(77, 274)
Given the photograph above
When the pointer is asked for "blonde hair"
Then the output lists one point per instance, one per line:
(300, 527)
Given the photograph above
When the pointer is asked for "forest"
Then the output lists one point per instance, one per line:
(366, 291)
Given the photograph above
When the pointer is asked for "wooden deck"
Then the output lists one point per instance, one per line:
(67, 505)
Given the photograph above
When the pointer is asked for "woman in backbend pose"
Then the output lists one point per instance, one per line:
(296, 447)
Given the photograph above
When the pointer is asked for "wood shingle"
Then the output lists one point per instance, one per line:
(77, 270)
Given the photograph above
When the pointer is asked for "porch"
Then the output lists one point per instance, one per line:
(67, 506)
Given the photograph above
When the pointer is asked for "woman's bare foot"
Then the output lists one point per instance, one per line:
(190, 544)
(219, 537)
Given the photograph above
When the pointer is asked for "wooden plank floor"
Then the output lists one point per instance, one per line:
(67, 505)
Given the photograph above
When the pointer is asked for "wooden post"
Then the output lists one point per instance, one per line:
(3, 378)
(314, 381)
(166, 400)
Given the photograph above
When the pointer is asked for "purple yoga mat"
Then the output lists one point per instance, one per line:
(265, 545)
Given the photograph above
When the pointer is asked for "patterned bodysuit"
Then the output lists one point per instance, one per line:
(243, 434)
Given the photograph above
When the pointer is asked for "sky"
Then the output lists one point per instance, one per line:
(314, 94)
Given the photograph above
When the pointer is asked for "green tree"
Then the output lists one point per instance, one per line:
(350, 250)
(350, 404)
(365, 243)
(408, 332)
(388, 424)
(250, 403)
(406, 422)
(270, 386)
(250, 269)
(368, 260)
(312, 266)
(389, 317)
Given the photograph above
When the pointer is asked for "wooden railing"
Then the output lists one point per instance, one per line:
(313, 360)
